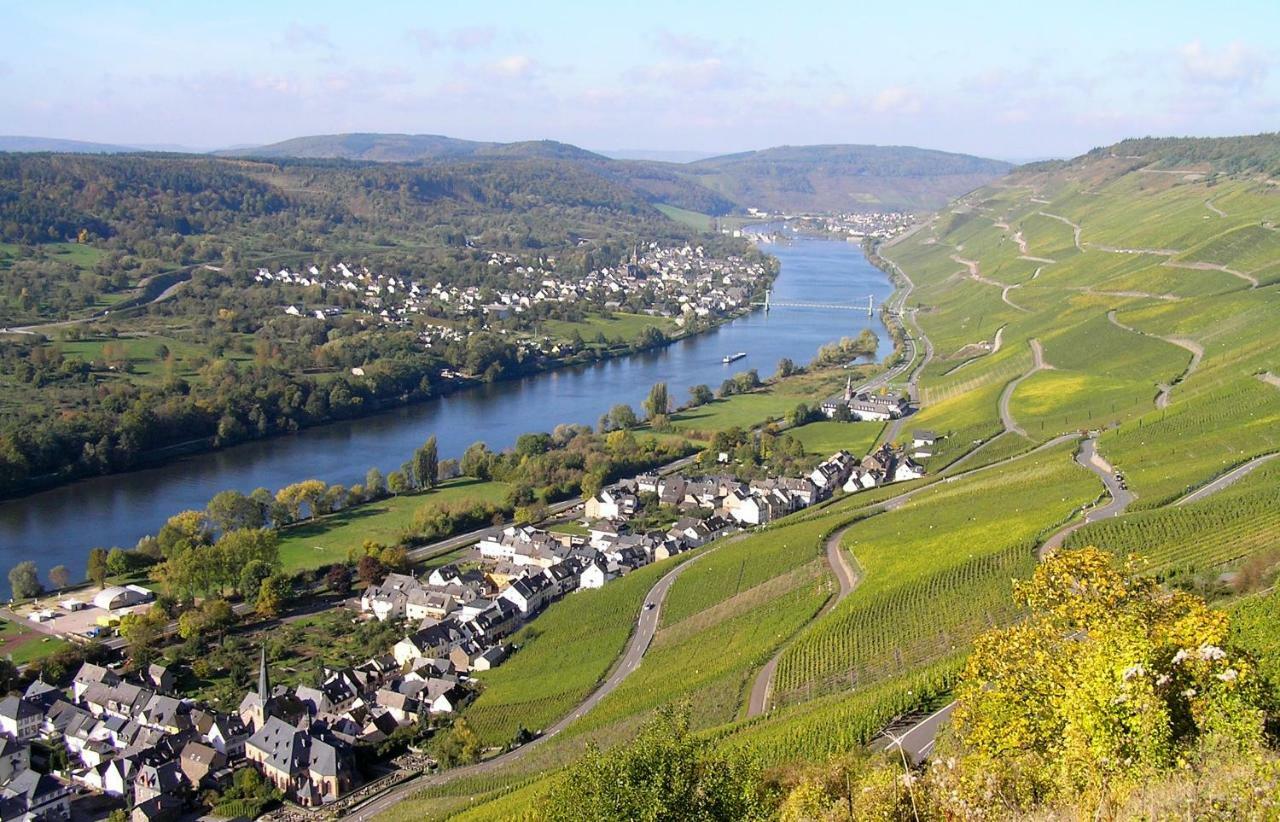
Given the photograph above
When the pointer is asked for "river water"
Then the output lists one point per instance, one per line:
(61, 525)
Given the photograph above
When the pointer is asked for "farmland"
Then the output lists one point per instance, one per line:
(936, 572)
(1208, 536)
(825, 438)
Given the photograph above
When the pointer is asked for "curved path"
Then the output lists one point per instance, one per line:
(848, 579)
(1198, 266)
(1196, 350)
(1006, 416)
(646, 627)
(1209, 205)
(1074, 228)
(1120, 496)
(1229, 478)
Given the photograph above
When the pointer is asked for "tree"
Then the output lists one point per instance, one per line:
(142, 632)
(1128, 679)
(477, 461)
(370, 570)
(426, 463)
(394, 558)
(799, 415)
(700, 395)
(229, 510)
(657, 403)
(97, 570)
(397, 482)
(460, 746)
(214, 616)
(118, 562)
(60, 576)
(785, 368)
(273, 594)
(375, 487)
(252, 575)
(24, 580)
(666, 772)
(338, 579)
(622, 416)
(183, 530)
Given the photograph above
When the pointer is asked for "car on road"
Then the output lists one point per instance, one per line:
(649, 606)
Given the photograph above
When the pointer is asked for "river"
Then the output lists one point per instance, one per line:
(58, 527)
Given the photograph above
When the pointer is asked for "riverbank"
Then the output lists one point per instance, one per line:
(105, 511)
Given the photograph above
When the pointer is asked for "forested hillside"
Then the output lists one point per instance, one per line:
(787, 178)
(130, 286)
(844, 177)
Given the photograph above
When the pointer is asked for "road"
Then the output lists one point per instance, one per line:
(847, 580)
(1194, 348)
(1226, 479)
(1006, 417)
(916, 741)
(1120, 497)
(632, 656)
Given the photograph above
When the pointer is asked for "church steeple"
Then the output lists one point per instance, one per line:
(264, 684)
(848, 389)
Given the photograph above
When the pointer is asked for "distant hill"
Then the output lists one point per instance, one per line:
(30, 144)
(844, 177)
(787, 178)
(57, 145)
(406, 148)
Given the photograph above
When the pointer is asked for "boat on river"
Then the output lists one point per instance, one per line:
(728, 358)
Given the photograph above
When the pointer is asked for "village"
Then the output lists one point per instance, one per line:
(681, 283)
(135, 741)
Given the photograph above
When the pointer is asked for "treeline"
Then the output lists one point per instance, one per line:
(1256, 154)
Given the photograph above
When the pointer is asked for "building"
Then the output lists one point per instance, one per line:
(864, 406)
(307, 763)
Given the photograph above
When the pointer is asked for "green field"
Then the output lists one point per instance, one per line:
(328, 539)
(618, 326)
(23, 645)
(826, 438)
(694, 219)
(936, 571)
(563, 655)
(1210, 536)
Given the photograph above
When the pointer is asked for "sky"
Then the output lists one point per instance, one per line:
(1010, 80)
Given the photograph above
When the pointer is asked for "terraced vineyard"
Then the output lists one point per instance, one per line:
(936, 573)
(1210, 535)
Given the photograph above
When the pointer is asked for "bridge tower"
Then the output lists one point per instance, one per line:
(871, 304)
(767, 295)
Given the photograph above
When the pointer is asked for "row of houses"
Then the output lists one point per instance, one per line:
(678, 281)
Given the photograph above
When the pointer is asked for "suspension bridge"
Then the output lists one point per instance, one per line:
(768, 302)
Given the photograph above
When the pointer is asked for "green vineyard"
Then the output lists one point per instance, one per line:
(916, 624)
(1204, 536)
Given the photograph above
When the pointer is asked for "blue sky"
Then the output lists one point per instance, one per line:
(1013, 80)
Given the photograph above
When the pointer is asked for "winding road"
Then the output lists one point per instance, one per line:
(1194, 348)
(917, 739)
(1006, 416)
(847, 578)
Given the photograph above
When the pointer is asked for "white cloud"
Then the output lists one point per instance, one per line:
(896, 100)
(514, 65)
(1234, 65)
